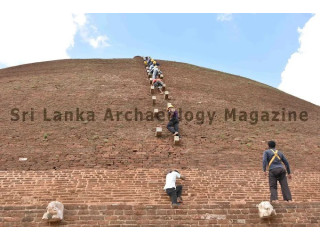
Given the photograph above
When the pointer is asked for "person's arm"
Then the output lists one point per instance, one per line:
(264, 161)
(286, 163)
(178, 175)
(171, 114)
(178, 117)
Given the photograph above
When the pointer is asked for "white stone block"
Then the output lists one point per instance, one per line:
(54, 212)
(176, 140)
(266, 210)
(158, 131)
(166, 95)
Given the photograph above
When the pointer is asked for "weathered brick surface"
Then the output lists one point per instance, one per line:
(97, 197)
(145, 186)
(213, 215)
(123, 85)
(112, 173)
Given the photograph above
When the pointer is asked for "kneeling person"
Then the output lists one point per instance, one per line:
(157, 83)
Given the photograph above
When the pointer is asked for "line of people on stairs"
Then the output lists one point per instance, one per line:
(154, 69)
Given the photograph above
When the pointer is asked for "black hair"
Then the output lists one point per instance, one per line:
(272, 144)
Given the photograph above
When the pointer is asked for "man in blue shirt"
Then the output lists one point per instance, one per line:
(274, 159)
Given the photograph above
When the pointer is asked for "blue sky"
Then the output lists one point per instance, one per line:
(256, 46)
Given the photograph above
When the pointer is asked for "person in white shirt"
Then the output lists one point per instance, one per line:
(171, 189)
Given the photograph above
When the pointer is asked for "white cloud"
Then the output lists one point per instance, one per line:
(100, 41)
(301, 75)
(41, 36)
(80, 19)
(38, 36)
(224, 17)
(90, 34)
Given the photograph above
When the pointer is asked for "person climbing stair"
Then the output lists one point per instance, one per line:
(155, 71)
(171, 189)
(149, 61)
(274, 159)
(157, 83)
(173, 125)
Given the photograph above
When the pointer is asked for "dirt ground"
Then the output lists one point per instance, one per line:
(122, 85)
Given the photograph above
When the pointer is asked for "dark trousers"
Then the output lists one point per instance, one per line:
(174, 193)
(275, 175)
(173, 126)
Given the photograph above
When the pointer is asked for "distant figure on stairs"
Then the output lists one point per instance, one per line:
(173, 125)
(171, 189)
(155, 71)
(157, 83)
(149, 61)
(151, 67)
(274, 159)
(146, 60)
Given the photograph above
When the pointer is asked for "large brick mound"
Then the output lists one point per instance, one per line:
(112, 173)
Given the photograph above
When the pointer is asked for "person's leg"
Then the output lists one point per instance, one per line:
(170, 192)
(176, 127)
(154, 75)
(173, 195)
(179, 193)
(170, 127)
(179, 190)
(284, 186)
(273, 185)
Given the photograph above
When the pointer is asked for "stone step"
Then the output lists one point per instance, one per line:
(166, 95)
(154, 99)
(155, 112)
(176, 140)
(158, 132)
